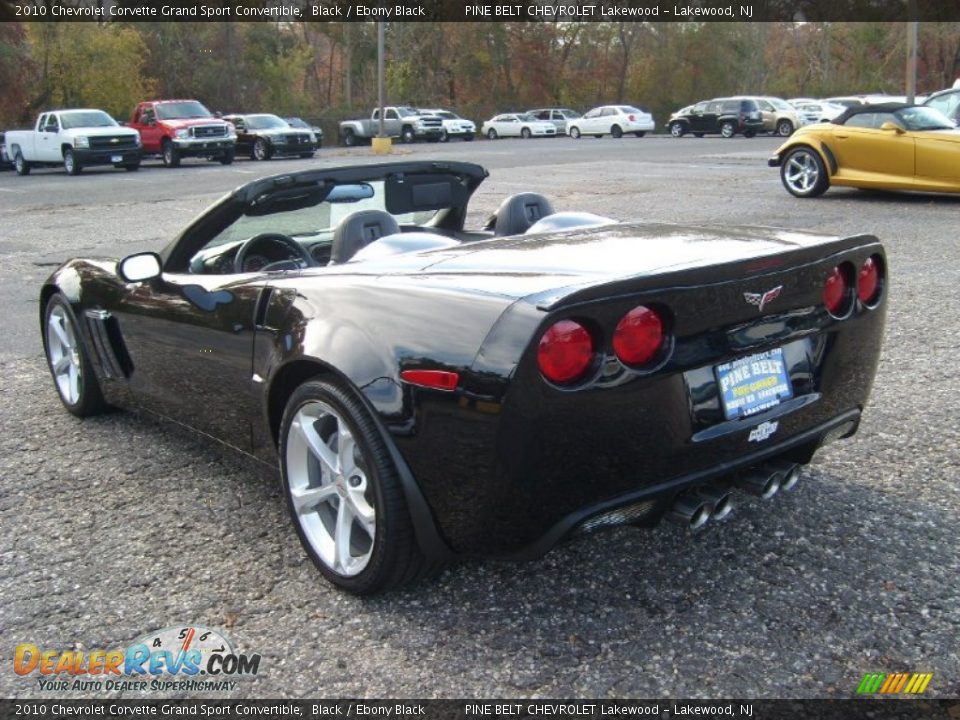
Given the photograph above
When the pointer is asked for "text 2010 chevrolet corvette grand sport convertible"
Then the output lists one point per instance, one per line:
(431, 392)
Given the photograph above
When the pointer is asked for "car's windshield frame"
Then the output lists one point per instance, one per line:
(183, 110)
(86, 119)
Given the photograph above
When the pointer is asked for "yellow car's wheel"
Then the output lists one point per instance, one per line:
(803, 173)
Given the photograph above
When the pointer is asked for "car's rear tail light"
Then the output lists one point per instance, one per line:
(433, 379)
(835, 292)
(868, 281)
(566, 352)
(631, 118)
(639, 336)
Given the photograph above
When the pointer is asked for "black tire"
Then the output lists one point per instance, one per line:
(308, 155)
(491, 134)
(170, 154)
(749, 133)
(728, 129)
(261, 150)
(89, 399)
(349, 138)
(131, 167)
(468, 137)
(616, 131)
(678, 129)
(785, 128)
(22, 166)
(70, 162)
(407, 135)
(698, 134)
(227, 157)
(392, 557)
(640, 133)
(574, 133)
(803, 173)
(525, 133)
(444, 136)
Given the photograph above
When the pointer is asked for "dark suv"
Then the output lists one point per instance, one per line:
(726, 116)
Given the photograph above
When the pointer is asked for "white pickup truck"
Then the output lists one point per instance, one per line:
(75, 139)
(405, 123)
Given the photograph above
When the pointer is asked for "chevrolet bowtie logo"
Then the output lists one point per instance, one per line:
(761, 299)
(114, 140)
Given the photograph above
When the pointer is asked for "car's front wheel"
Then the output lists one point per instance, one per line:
(70, 163)
(491, 134)
(640, 133)
(407, 135)
(784, 128)
(574, 133)
(677, 129)
(171, 156)
(616, 131)
(73, 374)
(525, 133)
(444, 136)
(344, 493)
(803, 173)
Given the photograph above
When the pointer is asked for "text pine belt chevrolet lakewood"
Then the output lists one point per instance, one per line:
(430, 391)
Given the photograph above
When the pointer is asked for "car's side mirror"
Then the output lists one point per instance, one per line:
(140, 267)
(889, 126)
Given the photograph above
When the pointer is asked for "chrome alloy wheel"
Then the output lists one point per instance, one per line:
(329, 489)
(64, 354)
(802, 172)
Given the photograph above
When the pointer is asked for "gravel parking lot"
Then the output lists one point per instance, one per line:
(120, 525)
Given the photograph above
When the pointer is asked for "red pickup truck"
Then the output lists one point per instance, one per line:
(175, 129)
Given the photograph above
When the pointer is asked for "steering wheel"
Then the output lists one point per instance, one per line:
(293, 251)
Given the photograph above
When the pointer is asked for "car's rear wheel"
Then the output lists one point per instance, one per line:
(784, 128)
(640, 133)
(261, 150)
(728, 129)
(491, 134)
(525, 133)
(171, 156)
(344, 492)
(803, 173)
(574, 133)
(677, 129)
(616, 131)
(69, 364)
(21, 165)
(70, 163)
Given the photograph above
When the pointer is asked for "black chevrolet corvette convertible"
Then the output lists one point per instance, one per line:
(430, 391)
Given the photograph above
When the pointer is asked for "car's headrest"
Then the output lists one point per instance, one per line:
(569, 219)
(518, 212)
(404, 243)
(359, 229)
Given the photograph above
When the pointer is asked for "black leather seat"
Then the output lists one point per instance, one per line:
(518, 212)
(359, 229)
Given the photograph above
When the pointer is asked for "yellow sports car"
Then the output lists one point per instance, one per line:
(892, 146)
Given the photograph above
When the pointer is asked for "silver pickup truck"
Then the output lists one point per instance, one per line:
(401, 122)
(75, 139)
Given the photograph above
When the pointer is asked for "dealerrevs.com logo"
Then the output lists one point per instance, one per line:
(183, 657)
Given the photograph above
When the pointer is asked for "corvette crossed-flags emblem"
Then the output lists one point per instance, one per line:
(761, 299)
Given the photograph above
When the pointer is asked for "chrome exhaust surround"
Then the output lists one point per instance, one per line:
(689, 510)
(720, 501)
(760, 482)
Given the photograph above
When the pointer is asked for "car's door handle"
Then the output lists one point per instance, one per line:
(840, 137)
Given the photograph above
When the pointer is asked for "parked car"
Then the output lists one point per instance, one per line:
(263, 136)
(847, 101)
(175, 129)
(5, 161)
(947, 102)
(301, 124)
(816, 111)
(726, 116)
(558, 116)
(454, 126)
(521, 125)
(583, 373)
(74, 139)
(779, 116)
(401, 122)
(889, 146)
(613, 120)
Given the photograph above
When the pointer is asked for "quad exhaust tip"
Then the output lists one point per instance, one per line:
(690, 511)
(767, 480)
(720, 501)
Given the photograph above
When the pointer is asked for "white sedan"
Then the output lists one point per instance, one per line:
(815, 111)
(614, 120)
(517, 125)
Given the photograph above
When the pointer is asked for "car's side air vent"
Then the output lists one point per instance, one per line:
(108, 344)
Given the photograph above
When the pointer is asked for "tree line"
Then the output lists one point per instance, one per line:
(327, 71)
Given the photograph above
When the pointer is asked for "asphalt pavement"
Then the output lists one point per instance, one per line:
(120, 525)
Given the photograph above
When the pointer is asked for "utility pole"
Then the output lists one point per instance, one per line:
(380, 74)
(912, 51)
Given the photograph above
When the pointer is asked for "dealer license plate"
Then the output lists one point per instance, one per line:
(116, 158)
(753, 384)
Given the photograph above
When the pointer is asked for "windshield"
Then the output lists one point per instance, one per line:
(924, 118)
(265, 122)
(447, 115)
(182, 110)
(297, 123)
(406, 111)
(780, 104)
(86, 119)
